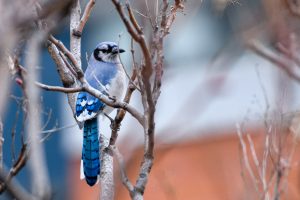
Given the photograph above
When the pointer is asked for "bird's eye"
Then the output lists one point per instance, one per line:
(104, 50)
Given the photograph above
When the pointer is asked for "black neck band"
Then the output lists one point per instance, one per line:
(96, 55)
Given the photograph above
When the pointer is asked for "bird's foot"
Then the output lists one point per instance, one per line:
(113, 125)
(113, 98)
(106, 115)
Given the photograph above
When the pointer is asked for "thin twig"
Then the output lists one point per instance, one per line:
(252, 150)
(86, 14)
(132, 19)
(125, 179)
(51, 131)
(294, 7)
(49, 115)
(69, 55)
(68, 80)
(170, 19)
(13, 132)
(278, 60)
(86, 87)
(154, 25)
(123, 66)
(245, 156)
(15, 189)
(68, 64)
(121, 112)
(16, 168)
(1, 143)
(110, 102)
(126, 22)
(149, 96)
(58, 88)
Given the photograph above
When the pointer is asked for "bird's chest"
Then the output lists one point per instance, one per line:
(116, 88)
(117, 85)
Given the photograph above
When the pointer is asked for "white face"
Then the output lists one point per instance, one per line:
(107, 53)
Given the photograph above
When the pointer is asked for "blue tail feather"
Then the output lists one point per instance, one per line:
(90, 151)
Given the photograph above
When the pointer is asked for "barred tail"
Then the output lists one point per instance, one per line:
(90, 151)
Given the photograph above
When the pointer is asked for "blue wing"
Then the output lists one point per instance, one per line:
(99, 76)
(87, 106)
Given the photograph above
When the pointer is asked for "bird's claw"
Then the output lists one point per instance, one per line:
(114, 126)
(113, 98)
(106, 115)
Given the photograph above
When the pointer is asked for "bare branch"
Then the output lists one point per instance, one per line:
(121, 112)
(127, 24)
(18, 165)
(86, 87)
(58, 88)
(65, 75)
(294, 7)
(107, 170)
(1, 143)
(69, 54)
(68, 64)
(245, 156)
(53, 130)
(277, 59)
(4, 86)
(178, 5)
(132, 18)
(125, 179)
(41, 185)
(149, 95)
(86, 14)
(75, 40)
(15, 189)
(123, 66)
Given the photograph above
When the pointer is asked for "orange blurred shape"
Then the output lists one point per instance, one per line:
(207, 168)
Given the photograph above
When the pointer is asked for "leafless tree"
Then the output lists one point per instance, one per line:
(268, 168)
(32, 24)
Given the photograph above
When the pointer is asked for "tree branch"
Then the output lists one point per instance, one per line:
(294, 7)
(121, 112)
(169, 21)
(15, 189)
(132, 19)
(149, 96)
(18, 165)
(125, 179)
(86, 14)
(1, 143)
(107, 170)
(127, 24)
(58, 88)
(277, 59)
(87, 88)
(40, 182)
(69, 54)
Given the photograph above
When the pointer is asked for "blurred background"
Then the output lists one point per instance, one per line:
(212, 82)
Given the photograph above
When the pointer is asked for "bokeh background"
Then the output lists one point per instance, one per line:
(212, 81)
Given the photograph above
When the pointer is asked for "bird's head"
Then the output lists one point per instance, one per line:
(107, 52)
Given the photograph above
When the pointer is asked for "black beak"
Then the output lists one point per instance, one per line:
(121, 50)
(116, 50)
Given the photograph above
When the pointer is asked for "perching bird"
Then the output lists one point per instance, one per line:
(106, 74)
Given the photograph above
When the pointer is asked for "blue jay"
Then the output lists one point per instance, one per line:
(106, 74)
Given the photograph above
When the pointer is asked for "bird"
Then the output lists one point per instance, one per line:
(106, 74)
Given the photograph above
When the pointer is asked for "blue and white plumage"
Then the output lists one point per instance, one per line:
(106, 74)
